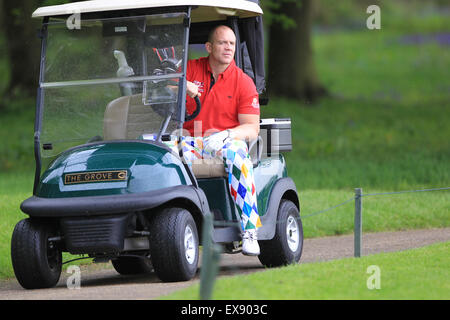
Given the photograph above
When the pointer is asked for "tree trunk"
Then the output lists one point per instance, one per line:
(22, 46)
(292, 72)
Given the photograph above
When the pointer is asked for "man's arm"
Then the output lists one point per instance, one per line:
(248, 129)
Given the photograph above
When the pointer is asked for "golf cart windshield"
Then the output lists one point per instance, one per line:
(109, 79)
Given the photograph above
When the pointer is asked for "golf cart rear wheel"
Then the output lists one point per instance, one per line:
(174, 244)
(36, 261)
(132, 265)
(287, 244)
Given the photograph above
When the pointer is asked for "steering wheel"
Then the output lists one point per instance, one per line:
(196, 111)
(171, 66)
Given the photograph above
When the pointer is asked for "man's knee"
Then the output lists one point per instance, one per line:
(237, 150)
(237, 144)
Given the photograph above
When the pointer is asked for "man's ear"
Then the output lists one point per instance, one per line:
(208, 47)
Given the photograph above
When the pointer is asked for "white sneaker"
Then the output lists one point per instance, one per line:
(250, 246)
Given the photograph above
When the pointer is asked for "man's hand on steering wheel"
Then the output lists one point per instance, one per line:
(192, 90)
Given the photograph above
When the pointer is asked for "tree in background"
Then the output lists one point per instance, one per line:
(22, 45)
(292, 72)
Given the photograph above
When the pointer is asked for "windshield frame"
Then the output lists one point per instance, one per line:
(40, 103)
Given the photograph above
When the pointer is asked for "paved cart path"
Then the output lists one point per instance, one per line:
(101, 281)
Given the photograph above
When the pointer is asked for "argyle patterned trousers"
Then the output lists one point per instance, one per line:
(239, 167)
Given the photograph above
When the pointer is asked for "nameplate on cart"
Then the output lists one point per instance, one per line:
(97, 176)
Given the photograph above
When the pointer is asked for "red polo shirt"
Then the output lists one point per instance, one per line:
(233, 93)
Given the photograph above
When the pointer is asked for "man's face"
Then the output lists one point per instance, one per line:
(223, 46)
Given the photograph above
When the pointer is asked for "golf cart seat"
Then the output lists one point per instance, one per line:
(208, 168)
(126, 118)
(213, 168)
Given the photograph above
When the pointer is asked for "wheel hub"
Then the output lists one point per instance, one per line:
(292, 232)
(189, 245)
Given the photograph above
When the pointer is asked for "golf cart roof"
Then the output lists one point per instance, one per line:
(207, 10)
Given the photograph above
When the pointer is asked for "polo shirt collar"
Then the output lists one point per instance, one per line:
(227, 71)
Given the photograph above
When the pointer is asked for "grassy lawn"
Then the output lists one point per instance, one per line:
(380, 213)
(10, 215)
(14, 188)
(417, 274)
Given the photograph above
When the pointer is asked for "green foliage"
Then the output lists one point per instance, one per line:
(400, 15)
(17, 130)
(273, 14)
(4, 67)
(54, 2)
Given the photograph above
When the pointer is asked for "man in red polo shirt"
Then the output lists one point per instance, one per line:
(228, 96)
(229, 117)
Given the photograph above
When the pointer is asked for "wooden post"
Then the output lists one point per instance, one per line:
(210, 261)
(358, 223)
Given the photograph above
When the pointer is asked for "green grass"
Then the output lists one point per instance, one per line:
(10, 214)
(339, 144)
(14, 188)
(380, 213)
(417, 274)
(386, 122)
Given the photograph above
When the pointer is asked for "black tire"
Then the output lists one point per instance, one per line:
(168, 229)
(132, 265)
(36, 262)
(277, 251)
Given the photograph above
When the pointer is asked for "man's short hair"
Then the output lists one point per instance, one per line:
(213, 31)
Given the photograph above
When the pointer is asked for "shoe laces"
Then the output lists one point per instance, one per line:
(249, 235)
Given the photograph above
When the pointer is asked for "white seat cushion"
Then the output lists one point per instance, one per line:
(208, 168)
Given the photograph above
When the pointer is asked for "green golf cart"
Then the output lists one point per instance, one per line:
(112, 92)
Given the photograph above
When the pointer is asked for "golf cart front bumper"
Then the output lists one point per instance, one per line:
(112, 204)
(99, 224)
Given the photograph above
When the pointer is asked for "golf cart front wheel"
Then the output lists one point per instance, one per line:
(287, 244)
(174, 244)
(36, 261)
